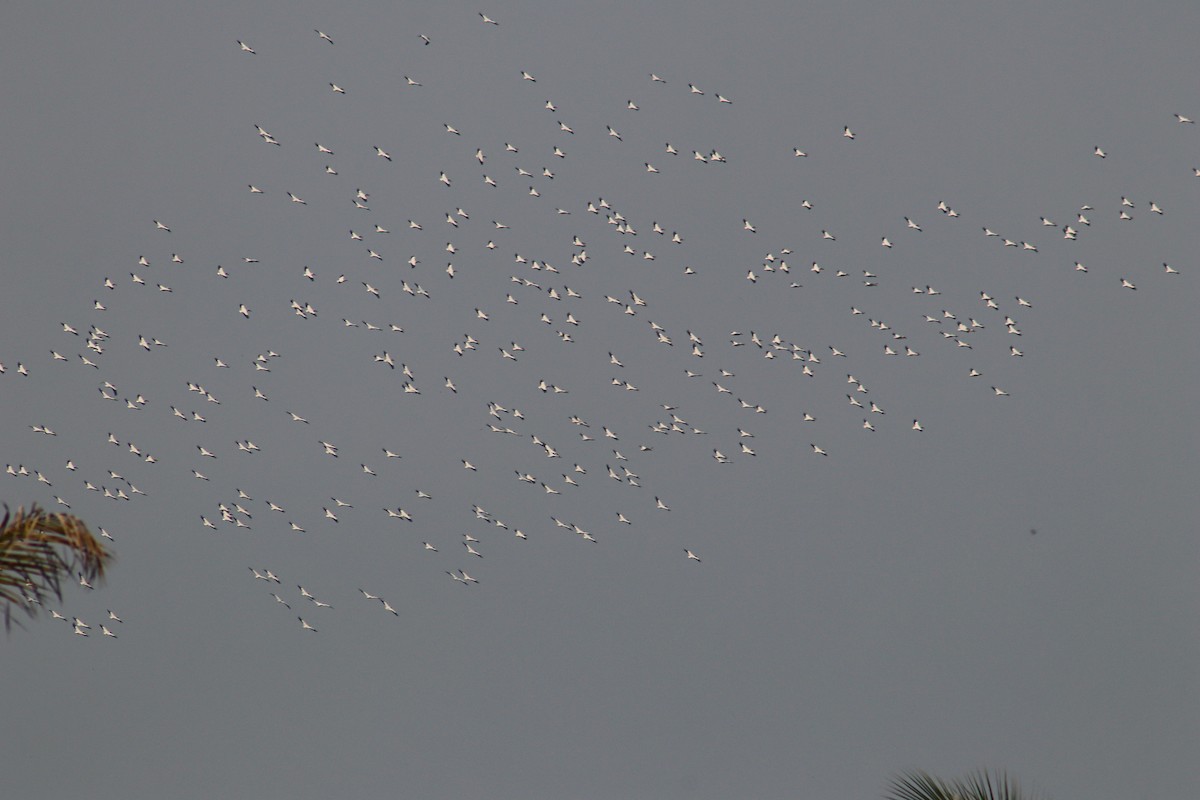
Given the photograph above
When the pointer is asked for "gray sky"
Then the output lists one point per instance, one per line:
(881, 608)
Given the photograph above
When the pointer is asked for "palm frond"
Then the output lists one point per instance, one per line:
(920, 785)
(978, 785)
(37, 550)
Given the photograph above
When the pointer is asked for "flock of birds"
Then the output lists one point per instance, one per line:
(572, 448)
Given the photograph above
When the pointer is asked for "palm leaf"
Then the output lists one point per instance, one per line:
(920, 785)
(37, 550)
(978, 785)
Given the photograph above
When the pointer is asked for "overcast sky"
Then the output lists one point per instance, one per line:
(882, 605)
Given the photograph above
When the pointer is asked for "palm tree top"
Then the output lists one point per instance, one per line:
(37, 549)
(978, 785)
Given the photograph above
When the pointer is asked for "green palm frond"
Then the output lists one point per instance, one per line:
(920, 785)
(37, 550)
(979, 785)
